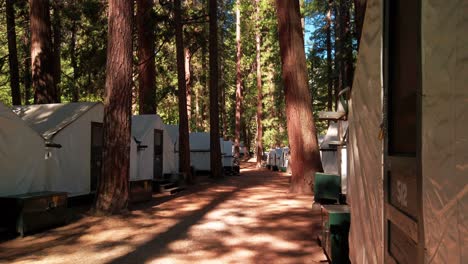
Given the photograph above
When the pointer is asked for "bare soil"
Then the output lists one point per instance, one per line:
(249, 218)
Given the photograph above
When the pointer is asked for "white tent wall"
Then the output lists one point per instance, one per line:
(21, 156)
(69, 167)
(228, 155)
(365, 149)
(445, 130)
(173, 133)
(141, 162)
(200, 150)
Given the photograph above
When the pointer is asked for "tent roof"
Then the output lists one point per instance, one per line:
(173, 131)
(49, 119)
(142, 124)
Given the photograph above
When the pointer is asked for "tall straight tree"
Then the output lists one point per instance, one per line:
(359, 14)
(301, 126)
(239, 94)
(57, 37)
(258, 43)
(184, 149)
(112, 193)
(329, 57)
(12, 53)
(146, 63)
(188, 82)
(215, 149)
(41, 53)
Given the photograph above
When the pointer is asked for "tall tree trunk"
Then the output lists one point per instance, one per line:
(301, 126)
(57, 35)
(12, 53)
(348, 60)
(359, 14)
(188, 84)
(27, 59)
(41, 53)
(73, 62)
(238, 82)
(146, 64)
(329, 58)
(112, 193)
(339, 66)
(215, 150)
(259, 150)
(184, 149)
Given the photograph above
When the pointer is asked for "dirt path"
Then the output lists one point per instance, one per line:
(246, 219)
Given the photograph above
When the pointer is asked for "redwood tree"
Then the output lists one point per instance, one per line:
(112, 193)
(301, 126)
(215, 150)
(259, 85)
(359, 14)
(42, 63)
(238, 83)
(184, 148)
(12, 53)
(146, 63)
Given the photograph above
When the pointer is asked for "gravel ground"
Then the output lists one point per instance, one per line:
(249, 218)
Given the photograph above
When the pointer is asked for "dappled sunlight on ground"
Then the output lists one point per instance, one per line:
(244, 219)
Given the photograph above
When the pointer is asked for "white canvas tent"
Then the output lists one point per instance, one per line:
(200, 150)
(145, 129)
(437, 232)
(21, 156)
(68, 168)
(227, 152)
(173, 134)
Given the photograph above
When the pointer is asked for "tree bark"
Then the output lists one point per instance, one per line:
(41, 53)
(12, 53)
(57, 36)
(301, 126)
(27, 59)
(184, 149)
(188, 84)
(146, 63)
(215, 150)
(239, 94)
(329, 57)
(359, 14)
(259, 150)
(113, 188)
(74, 64)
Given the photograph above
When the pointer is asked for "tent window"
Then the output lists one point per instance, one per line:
(403, 79)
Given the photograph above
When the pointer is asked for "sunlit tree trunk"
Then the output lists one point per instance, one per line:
(188, 84)
(41, 53)
(239, 94)
(215, 150)
(112, 192)
(301, 126)
(57, 37)
(12, 53)
(259, 150)
(146, 64)
(184, 149)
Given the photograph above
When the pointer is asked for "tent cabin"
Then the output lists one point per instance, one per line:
(21, 156)
(200, 151)
(284, 161)
(227, 154)
(73, 136)
(278, 159)
(408, 134)
(151, 155)
(271, 157)
(173, 134)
